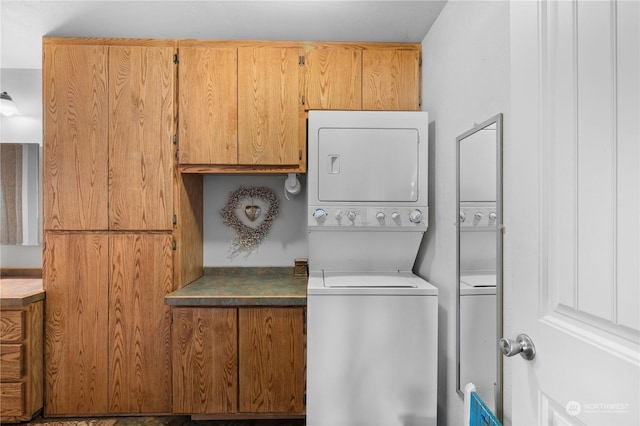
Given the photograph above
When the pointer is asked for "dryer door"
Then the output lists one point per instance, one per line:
(368, 165)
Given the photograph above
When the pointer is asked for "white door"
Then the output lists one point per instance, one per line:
(572, 216)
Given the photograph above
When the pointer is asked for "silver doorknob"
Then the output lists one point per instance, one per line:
(523, 345)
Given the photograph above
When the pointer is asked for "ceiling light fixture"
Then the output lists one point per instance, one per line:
(7, 106)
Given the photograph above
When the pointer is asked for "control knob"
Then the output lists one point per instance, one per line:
(380, 216)
(351, 215)
(478, 215)
(320, 215)
(415, 216)
(492, 216)
(338, 215)
(395, 216)
(463, 216)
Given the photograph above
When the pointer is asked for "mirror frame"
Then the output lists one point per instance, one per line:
(497, 120)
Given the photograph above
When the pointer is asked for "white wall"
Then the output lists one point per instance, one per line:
(287, 239)
(25, 87)
(465, 79)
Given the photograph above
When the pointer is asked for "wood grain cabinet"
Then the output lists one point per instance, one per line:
(333, 77)
(21, 343)
(240, 108)
(108, 330)
(270, 110)
(391, 79)
(246, 361)
(208, 123)
(108, 132)
(115, 209)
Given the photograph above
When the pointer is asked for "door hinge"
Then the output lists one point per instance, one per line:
(175, 139)
(175, 219)
(174, 245)
(176, 58)
(301, 61)
(303, 100)
(300, 154)
(177, 155)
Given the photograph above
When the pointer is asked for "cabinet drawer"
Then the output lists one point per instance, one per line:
(11, 400)
(11, 360)
(11, 326)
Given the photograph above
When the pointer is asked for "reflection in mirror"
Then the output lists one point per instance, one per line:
(19, 194)
(479, 266)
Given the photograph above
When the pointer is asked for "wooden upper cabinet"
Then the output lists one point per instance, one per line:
(141, 92)
(75, 112)
(208, 82)
(270, 107)
(333, 78)
(108, 136)
(391, 79)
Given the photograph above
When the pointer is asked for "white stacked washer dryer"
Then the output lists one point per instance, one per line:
(371, 323)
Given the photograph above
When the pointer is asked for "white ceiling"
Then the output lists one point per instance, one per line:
(23, 23)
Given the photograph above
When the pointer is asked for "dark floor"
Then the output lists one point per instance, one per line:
(158, 421)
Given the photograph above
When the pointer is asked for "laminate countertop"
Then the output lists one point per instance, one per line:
(243, 287)
(20, 291)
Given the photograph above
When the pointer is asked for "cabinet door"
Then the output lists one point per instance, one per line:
(141, 150)
(205, 360)
(208, 105)
(333, 78)
(75, 274)
(140, 323)
(391, 79)
(75, 113)
(272, 360)
(269, 107)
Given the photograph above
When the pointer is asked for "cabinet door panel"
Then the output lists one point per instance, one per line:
(333, 78)
(75, 276)
(205, 360)
(272, 360)
(139, 323)
(76, 137)
(141, 81)
(208, 105)
(391, 80)
(269, 106)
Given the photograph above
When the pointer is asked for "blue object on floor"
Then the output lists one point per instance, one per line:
(480, 414)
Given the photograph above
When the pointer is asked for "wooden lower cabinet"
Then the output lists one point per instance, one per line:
(245, 361)
(108, 330)
(21, 341)
(272, 360)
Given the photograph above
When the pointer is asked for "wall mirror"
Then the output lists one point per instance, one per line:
(479, 261)
(20, 194)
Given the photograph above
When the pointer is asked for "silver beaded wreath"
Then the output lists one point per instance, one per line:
(252, 228)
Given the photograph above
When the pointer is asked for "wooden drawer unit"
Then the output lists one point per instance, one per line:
(21, 354)
(12, 359)
(11, 326)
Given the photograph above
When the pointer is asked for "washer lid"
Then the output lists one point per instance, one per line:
(390, 283)
(363, 280)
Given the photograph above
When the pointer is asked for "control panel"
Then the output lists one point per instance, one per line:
(360, 216)
(477, 216)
